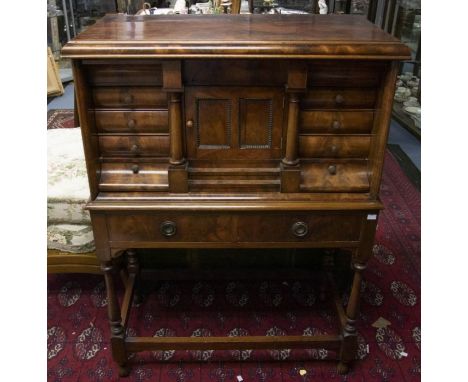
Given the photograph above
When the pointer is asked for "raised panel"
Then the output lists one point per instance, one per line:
(213, 123)
(255, 123)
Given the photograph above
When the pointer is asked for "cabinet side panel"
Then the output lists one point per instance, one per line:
(90, 141)
(381, 126)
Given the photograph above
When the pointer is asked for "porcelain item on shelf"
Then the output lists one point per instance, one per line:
(414, 110)
(323, 7)
(414, 91)
(412, 101)
(402, 94)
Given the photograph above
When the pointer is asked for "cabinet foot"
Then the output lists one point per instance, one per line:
(342, 368)
(124, 371)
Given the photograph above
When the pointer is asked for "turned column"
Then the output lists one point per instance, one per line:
(119, 353)
(172, 84)
(175, 128)
(292, 139)
(290, 168)
(133, 269)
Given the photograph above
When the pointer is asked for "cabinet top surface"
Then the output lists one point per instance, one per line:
(275, 36)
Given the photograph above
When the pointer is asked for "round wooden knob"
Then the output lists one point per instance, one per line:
(134, 149)
(189, 123)
(336, 124)
(339, 99)
(300, 229)
(334, 149)
(128, 98)
(131, 123)
(135, 169)
(332, 170)
(168, 228)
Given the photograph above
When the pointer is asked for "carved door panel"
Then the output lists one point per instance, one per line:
(233, 123)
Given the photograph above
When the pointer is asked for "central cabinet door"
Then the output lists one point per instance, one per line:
(231, 123)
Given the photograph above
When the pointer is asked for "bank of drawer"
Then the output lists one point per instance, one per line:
(234, 227)
(335, 98)
(129, 97)
(132, 145)
(133, 177)
(313, 228)
(336, 122)
(332, 146)
(128, 121)
(345, 73)
(124, 75)
(335, 176)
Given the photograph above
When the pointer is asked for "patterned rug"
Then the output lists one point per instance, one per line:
(60, 119)
(77, 332)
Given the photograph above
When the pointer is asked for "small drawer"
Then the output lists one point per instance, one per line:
(330, 146)
(357, 98)
(125, 75)
(134, 146)
(334, 176)
(133, 177)
(129, 97)
(310, 227)
(126, 121)
(336, 122)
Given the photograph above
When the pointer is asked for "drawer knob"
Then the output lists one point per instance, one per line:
(300, 229)
(135, 169)
(134, 149)
(128, 98)
(336, 124)
(339, 99)
(168, 228)
(189, 123)
(131, 123)
(332, 170)
(334, 149)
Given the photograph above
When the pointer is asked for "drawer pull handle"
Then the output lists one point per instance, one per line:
(128, 98)
(135, 169)
(300, 229)
(339, 99)
(334, 149)
(168, 228)
(332, 170)
(189, 123)
(336, 124)
(131, 123)
(134, 149)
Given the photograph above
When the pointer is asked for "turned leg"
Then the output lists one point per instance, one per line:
(119, 353)
(349, 346)
(133, 268)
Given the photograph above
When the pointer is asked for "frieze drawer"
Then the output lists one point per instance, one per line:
(235, 227)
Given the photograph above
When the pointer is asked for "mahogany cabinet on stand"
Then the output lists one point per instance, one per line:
(245, 131)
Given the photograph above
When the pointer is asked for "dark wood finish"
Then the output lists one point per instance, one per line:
(233, 132)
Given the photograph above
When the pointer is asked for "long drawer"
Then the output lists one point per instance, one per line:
(131, 121)
(129, 97)
(233, 227)
(124, 75)
(134, 146)
(330, 146)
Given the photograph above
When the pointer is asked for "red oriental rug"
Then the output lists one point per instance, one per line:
(78, 333)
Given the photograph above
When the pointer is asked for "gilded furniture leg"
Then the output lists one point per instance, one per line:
(349, 344)
(119, 353)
